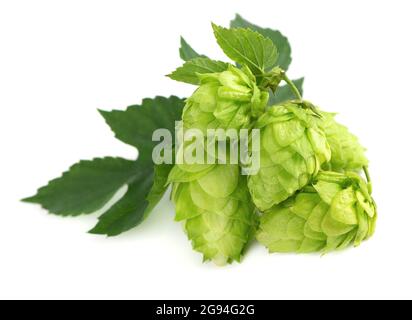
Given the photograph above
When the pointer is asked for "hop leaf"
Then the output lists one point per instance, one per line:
(89, 185)
(293, 147)
(336, 212)
(186, 52)
(281, 42)
(247, 47)
(347, 152)
(216, 210)
(86, 186)
(190, 71)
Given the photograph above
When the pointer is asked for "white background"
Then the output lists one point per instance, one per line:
(61, 60)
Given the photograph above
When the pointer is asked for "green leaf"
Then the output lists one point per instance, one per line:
(247, 47)
(89, 185)
(86, 187)
(129, 211)
(186, 51)
(189, 71)
(137, 203)
(284, 93)
(137, 123)
(161, 174)
(280, 41)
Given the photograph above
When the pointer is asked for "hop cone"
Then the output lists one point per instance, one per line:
(293, 148)
(226, 100)
(337, 211)
(215, 207)
(347, 153)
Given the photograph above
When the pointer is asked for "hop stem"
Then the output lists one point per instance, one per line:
(292, 86)
(368, 179)
(367, 175)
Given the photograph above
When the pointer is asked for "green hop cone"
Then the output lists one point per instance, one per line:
(347, 153)
(226, 100)
(215, 206)
(332, 214)
(292, 149)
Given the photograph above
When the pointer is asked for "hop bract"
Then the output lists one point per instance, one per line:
(226, 100)
(293, 148)
(332, 214)
(347, 153)
(216, 209)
